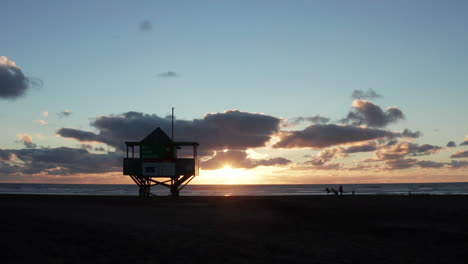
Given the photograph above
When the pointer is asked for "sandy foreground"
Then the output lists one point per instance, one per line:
(288, 229)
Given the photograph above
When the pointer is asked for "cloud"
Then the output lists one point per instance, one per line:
(13, 82)
(80, 135)
(363, 166)
(231, 129)
(370, 114)
(311, 166)
(400, 164)
(90, 147)
(465, 142)
(45, 114)
(321, 136)
(323, 159)
(328, 166)
(394, 156)
(402, 149)
(430, 164)
(87, 146)
(451, 144)
(57, 161)
(460, 154)
(410, 134)
(146, 26)
(365, 147)
(455, 164)
(64, 113)
(42, 122)
(239, 159)
(325, 156)
(26, 140)
(168, 74)
(100, 149)
(317, 119)
(369, 94)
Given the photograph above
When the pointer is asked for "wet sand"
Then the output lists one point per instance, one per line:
(287, 229)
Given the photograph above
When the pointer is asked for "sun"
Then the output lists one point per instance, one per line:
(228, 174)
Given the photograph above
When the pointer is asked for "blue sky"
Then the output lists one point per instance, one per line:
(282, 58)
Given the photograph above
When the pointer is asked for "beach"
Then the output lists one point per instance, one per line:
(268, 229)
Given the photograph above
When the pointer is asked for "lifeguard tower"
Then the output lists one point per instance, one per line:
(153, 161)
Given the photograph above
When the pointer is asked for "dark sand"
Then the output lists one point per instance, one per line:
(306, 229)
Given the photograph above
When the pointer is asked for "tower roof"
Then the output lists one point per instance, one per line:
(157, 137)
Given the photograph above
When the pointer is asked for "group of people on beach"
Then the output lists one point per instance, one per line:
(334, 191)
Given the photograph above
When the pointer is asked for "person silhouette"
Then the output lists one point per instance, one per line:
(327, 190)
(335, 192)
(340, 189)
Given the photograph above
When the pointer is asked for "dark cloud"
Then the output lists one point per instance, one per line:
(87, 146)
(394, 156)
(90, 147)
(465, 142)
(321, 136)
(370, 114)
(168, 74)
(363, 166)
(430, 164)
(455, 164)
(57, 161)
(403, 149)
(100, 149)
(399, 164)
(366, 147)
(369, 94)
(317, 119)
(460, 154)
(411, 134)
(64, 113)
(239, 159)
(325, 156)
(146, 26)
(451, 144)
(326, 166)
(424, 149)
(231, 129)
(323, 159)
(80, 135)
(13, 82)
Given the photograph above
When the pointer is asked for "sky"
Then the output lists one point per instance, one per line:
(274, 91)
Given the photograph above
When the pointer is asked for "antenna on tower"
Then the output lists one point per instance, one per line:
(172, 123)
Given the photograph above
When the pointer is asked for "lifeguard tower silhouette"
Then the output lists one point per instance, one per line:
(156, 163)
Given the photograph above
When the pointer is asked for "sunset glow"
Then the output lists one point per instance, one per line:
(313, 92)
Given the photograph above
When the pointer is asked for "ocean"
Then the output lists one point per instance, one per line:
(238, 190)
